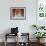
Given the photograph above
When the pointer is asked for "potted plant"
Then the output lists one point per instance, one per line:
(39, 35)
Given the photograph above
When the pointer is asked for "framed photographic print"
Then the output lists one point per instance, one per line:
(17, 13)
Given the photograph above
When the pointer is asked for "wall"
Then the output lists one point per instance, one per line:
(24, 25)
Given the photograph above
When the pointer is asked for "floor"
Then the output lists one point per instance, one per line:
(13, 44)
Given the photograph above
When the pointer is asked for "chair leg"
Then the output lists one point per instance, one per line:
(5, 40)
(5, 43)
(17, 39)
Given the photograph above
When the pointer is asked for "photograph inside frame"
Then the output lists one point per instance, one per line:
(17, 13)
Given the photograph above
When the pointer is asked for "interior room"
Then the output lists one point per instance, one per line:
(22, 22)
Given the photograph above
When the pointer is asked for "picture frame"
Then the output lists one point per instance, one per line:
(18, 13)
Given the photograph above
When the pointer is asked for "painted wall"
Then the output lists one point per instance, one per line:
(24, 25)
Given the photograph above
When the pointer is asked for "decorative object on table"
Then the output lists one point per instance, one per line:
(14, 30)
(17, 13)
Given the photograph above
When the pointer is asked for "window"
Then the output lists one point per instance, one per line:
(41, 8)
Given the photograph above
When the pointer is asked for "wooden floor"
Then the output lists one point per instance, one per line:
(13, 44)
